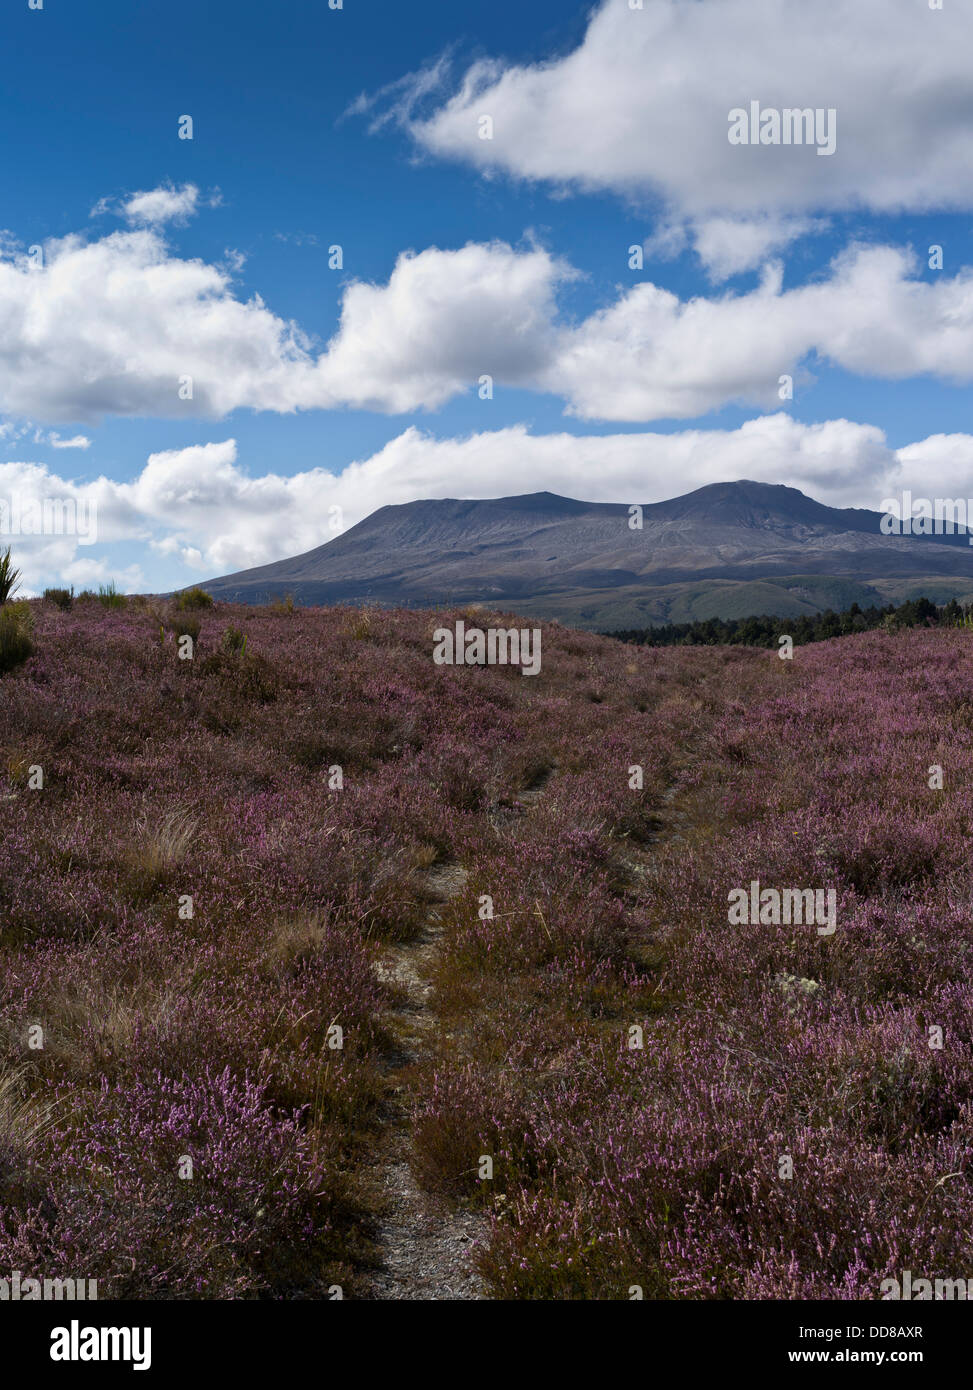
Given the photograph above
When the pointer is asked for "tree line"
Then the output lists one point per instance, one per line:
(765, 630)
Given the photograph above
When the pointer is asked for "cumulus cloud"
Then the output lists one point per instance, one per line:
(444, 319)
(837, 461)
(641, 106)
(159, 205)
(200, 513)
(154, 207)
(115, 325)
(121, 325)
(650, 355)
(159, 335)
(730, 245)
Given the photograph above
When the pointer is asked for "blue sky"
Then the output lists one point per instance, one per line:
(281, 167)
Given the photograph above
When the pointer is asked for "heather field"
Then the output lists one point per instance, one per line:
(309, 944)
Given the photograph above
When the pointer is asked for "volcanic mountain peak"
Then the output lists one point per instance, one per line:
(547, 555)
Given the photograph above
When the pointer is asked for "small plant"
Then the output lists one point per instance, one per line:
(234, 641)
(361, 625)
(8, 576)
(16, 626)
(87, 596)
(283, 606)
(193, 598)
(159, 846)
(242, 676)
(109, 597)
(61, 598)
(187, 625)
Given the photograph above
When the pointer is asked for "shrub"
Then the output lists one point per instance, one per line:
(8, 576)
(360, 627)
(16, 626)
(249, 677)
(61, 598)
(234, 641)
(193, 598)
(160, 847)
(109, 597)
(187, 626)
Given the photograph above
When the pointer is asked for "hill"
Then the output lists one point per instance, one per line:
(726, 550)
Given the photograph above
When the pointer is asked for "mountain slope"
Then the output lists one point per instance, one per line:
(546, 555)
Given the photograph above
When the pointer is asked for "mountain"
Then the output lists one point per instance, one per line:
(725, 550)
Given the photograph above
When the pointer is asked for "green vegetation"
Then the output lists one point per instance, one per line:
(766, 630)
(61, 598)
(193, 598)
(109, 597)
(16, 627)
(8, 576)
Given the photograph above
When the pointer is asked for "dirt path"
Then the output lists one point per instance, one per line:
(425, 1247)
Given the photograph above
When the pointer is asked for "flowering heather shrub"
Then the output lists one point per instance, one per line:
(245, 1222)
(661, 1166)
(192, 902)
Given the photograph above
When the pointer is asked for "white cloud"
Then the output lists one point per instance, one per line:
(77, 441)
(15, 430)
(444, 319)
(650, 355)
(203, 514)
(641, 106)
(111, 326)
(86, 573)
(730, 245)
(156, 206)
(838, 461)
(115, 326)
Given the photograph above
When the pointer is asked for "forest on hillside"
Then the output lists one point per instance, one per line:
(767, 630)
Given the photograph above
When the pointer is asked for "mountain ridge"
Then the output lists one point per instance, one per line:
(548, 555)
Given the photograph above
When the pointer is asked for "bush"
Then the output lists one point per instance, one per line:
(8, 576)
(61, 598)
(16, 626)
(234, 641)
(187, 626)
(248, 677)
(193, 598)
(109, 597)
(361, 625)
